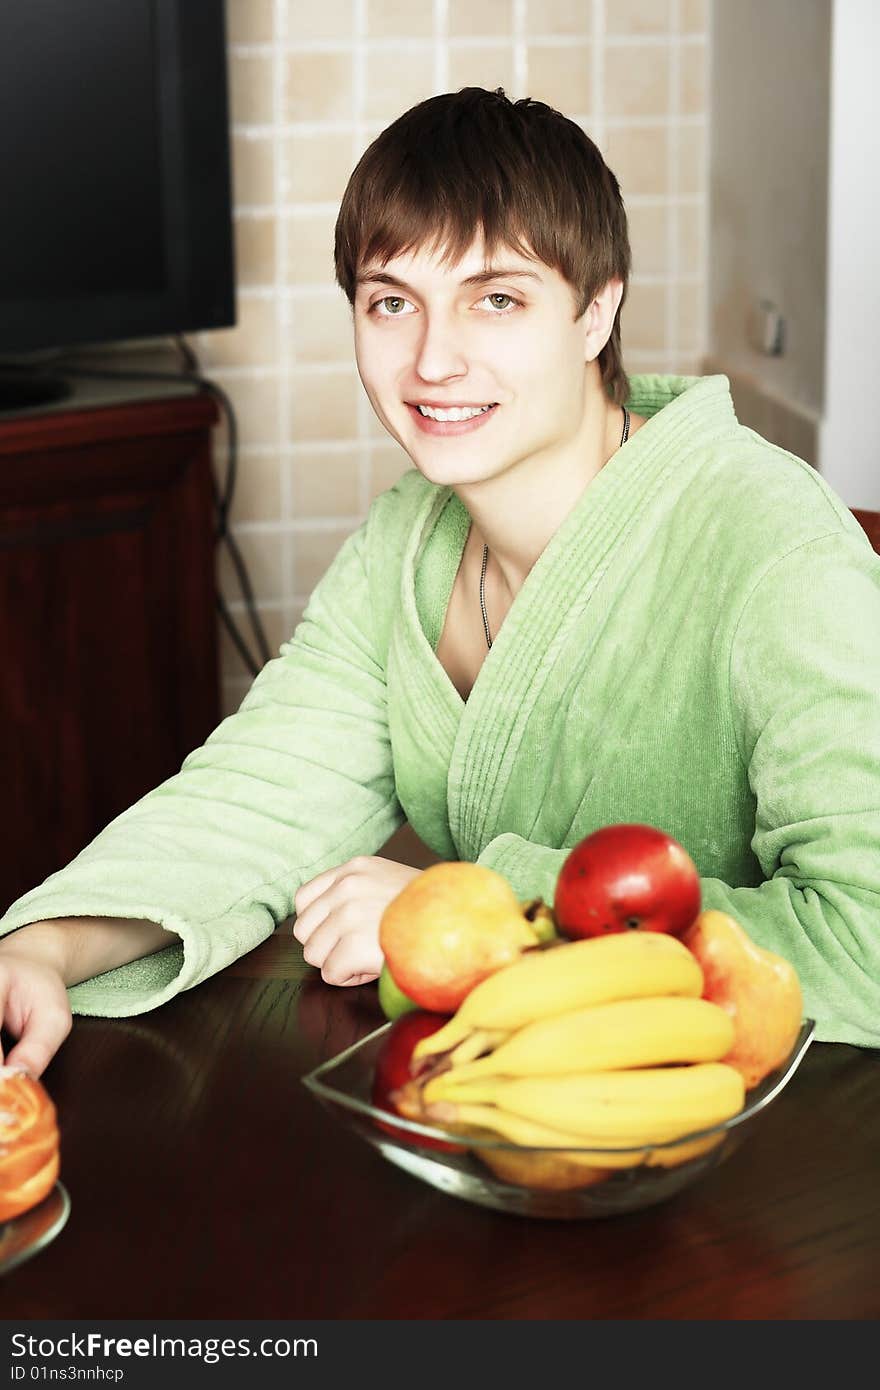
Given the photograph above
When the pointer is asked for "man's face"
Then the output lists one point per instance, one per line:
(431, 339)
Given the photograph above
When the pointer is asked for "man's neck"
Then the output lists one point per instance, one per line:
(518, 512)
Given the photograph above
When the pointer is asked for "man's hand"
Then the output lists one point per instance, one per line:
(338, 914)
(33, 1007)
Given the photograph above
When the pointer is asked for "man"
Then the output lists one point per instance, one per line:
(590, 601)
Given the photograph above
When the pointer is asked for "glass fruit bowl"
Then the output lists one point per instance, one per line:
(556, 1183)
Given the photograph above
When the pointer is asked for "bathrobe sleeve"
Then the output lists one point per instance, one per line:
(299, 779)
(804, 688)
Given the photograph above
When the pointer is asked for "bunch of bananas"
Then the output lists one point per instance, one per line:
(601, 1042)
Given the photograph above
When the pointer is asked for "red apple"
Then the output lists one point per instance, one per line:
(392, 1072)
(623, 877)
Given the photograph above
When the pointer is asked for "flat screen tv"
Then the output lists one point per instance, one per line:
(115, 168)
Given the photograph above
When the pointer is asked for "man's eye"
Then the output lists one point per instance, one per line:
(500, 301)
(390, 306)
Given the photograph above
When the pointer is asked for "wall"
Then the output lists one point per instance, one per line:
(849, 448)
(312, 84)
(769, 86)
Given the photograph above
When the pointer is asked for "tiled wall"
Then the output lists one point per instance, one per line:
(312, 83)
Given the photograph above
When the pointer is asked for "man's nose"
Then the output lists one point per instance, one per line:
(440, 352)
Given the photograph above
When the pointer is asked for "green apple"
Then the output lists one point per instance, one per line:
(392, 1000)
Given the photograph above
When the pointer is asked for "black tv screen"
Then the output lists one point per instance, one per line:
(115, 166)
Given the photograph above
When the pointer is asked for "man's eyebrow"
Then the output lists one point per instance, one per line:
(482, 277)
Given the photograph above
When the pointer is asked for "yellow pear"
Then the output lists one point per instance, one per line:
(450, 927)
(759, 989)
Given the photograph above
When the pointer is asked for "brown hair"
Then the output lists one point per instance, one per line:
(519, 171)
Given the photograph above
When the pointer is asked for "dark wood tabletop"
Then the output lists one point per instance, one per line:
(207, 1182)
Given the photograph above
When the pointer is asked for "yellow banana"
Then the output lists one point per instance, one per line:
(606, 1037)
(650, 1105)
(557, 979)
(504, 1122)
(536, 1158)
(481, 1040)
(610, 1153)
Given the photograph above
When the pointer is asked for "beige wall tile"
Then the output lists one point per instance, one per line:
(694, 16)
(548, 17)
(690, 364)
(691, 153)
(694, 76)
(688, 317)
(315, 168)
(309, 249)
(232, 692)
(295, 612)
(637, 80)
(643, 322)
(639, 157)
(255, 402)
(252, 342)
(638, 16)
(375, 429)
(250, 89)
(561, 75)
(320, 328)
(250, 21)
(396, 80)
(489, 67)
(324, 404)
(319, 19)
(654, 360)
(480, 18)
(313, 552)
(690, 238)
(325, 484)
(256, 495)
(371, 131)
(388, 462)
(318, 87)
(253, 170)
(400, 19)
(649, 239)
(254, 239)
(274, 624)
(261, 552)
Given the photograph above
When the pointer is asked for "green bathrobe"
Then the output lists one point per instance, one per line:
(697, 648)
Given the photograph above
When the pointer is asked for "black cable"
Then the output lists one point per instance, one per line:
(222, 500)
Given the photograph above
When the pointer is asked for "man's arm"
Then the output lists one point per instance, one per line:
(298, 779)
(79, 947)
(38, 961)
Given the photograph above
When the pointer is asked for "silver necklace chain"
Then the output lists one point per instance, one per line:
(623, 438)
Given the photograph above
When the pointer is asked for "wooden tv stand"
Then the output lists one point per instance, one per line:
(107, 614)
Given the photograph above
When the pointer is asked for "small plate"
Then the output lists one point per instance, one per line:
(33, 1230)
(481, 1174)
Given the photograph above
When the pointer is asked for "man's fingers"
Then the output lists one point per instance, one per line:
(34, 1056)
(354, 960)
(39, 1042)
(305, 926)
(320, 943)
(332, 900)
(307, 892)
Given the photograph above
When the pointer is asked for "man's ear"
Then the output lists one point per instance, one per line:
(599, 318)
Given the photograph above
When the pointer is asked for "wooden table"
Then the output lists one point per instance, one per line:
(206, 1182)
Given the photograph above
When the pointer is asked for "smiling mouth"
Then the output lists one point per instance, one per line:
(454, 413)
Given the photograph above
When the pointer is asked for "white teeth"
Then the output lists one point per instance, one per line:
(455, 412)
